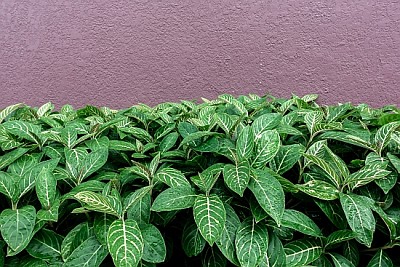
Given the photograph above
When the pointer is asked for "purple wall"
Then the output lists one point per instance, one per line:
(118, 53)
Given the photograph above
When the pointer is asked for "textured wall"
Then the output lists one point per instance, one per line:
(118, 53)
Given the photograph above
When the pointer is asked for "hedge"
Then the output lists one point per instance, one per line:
(247, 181)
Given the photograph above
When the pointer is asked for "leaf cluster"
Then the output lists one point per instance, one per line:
(248, 181)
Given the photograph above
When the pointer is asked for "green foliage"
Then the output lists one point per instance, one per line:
(247, 181)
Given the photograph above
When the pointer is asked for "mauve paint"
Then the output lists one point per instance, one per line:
(117, 53)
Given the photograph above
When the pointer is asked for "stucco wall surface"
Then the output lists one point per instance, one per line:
(118, 53)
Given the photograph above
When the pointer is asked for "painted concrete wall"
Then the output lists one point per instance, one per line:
(118, 53)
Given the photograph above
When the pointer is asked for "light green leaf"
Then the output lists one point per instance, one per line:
(209, 215)
(319, 189)
(24, 130)
(45, 245)
(267, 146)
(349, 139)
(171, 177)
(125, 243)
(46, 186)
(298, 221)
(251, 243)
(302, 252)
(286, 158)
(154, 249)
(380, 259)
(45, 109)
(245, 143)
(237, 176)
(340, 261)
(359, 217)
(383, 135)
(193, 242)
(174, 198)
(100, 203)
(395, 161)
(17, 226)
(90, 253)
(269, 193)
(226, 242)
(265, 122)
(339, 236)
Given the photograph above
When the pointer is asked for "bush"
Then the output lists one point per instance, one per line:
(248, 181)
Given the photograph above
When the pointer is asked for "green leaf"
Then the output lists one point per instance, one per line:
(168, 141)
(213, 258)
(302, 252)
(326, 167)
(319, 189)
(46, 186)
(340, 261)
(172, 177)
(154, 249)
(69, 135)
(74, 238)
(125, 243)
(45, 245)
(135, 197)
(45, 109)
(312, 120)
(194, 139)
(333, 212)
(121, 145)
(251, 243)
(101, 224)
(174, 198)
(395, 161)
(339, 236)
(351, 252)
(265, 122)
(226, 242)
(359, 217)
(154, 164)
(383, 135)
(298, 221)
(365, 176)
(245, 143)
(225, 122)
(269, 194)
(237, 176)
(231, 100)
(92, 163)
(275, 256)
(349, 139)
(380, 259)
(17, 226)
(8, 110)
(141, 210)
(267, 146)
(209, 215)
(207, 178)
(193, 242)
(286, 158)
(12, 156)
(100, 203)
(24, 130)
(90, 253)
(7, 184)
